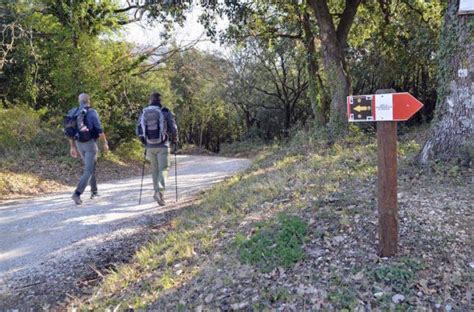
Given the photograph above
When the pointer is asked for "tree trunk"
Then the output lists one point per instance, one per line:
(287, 119)
(249, 120)
(333, 41)
(319, 104)
(451, 135)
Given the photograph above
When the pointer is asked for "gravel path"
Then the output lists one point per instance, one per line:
(47, 242)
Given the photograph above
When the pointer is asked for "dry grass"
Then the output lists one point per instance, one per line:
(331, 187)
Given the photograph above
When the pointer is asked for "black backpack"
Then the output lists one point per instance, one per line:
(74, 125)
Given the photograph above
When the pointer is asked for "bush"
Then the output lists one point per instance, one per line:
(18, 126)
(132, 150)
(51, 142)
(120, 131)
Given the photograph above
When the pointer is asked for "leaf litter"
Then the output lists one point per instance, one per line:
(341, 269)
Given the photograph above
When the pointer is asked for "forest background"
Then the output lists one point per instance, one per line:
(290, 66)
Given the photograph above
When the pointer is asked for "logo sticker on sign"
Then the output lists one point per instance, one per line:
(360, 108)
(383, 107)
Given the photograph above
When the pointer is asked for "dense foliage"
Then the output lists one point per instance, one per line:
(273, 81)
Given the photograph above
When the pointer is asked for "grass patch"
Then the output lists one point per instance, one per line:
(400, 275)
(341, 293)
(279, 294)
(343, 298)
(274, 243)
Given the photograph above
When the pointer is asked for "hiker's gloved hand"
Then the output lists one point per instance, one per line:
(73, 152)
(142, 139)
(174, 139)
(175, 148)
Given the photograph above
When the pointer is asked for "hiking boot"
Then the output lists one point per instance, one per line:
(159, 198)
(76, 198)
(94, 195)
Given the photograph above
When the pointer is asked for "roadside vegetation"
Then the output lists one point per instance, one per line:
(274, 79)
(298, 230)
(35, 156)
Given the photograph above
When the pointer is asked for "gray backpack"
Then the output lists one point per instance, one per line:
(153, 125)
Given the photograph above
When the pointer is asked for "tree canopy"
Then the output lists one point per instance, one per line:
(292, 63)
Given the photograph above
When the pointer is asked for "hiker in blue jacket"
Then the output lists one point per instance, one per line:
(156, 129)
(85, 145)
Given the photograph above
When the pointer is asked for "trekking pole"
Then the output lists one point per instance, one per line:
(176, 169)
(143, 174)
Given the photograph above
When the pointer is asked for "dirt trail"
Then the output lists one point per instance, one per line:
(46, 238)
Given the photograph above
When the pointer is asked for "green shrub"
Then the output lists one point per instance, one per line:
(120, 131)
(274, 245)
(51, 142)
(132, 150)
(18, 126)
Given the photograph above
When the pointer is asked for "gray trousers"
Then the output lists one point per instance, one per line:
(160, 162)
(88, 151)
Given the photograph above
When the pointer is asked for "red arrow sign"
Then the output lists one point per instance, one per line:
(405, 106)
(382, 107)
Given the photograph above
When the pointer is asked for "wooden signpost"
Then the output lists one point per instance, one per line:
(386, 108)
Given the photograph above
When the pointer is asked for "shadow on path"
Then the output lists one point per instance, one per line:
(52, 229)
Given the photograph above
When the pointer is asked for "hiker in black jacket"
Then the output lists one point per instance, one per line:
(156, 129)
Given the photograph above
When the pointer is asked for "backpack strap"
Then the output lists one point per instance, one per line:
(80, 109)
(162, 125)
(142, 123)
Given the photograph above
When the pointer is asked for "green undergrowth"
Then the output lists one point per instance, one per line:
(274, 243)
(34, 154)
(399, 275)
(244, 149)
(132, 150)
(43, 164)
(307, 171)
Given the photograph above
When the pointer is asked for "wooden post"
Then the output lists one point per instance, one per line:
(387, 185)
(385, 109)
